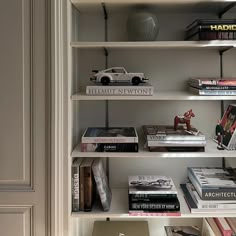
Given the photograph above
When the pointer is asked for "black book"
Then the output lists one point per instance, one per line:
(142, 198)
(169, 205)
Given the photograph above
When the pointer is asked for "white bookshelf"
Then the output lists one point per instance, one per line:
(168, 63)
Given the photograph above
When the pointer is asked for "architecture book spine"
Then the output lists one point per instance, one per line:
(109, 147)
(120, 90)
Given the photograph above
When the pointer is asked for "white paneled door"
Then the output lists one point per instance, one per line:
(23, 119)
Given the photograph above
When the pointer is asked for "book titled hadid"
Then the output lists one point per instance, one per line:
(121, 90)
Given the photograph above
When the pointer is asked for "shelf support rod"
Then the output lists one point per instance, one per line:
(106, 66)
(227, 8)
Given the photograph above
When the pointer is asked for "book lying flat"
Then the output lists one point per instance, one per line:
(144, 89)
(212, 92)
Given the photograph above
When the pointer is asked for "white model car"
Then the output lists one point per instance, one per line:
(116, 75)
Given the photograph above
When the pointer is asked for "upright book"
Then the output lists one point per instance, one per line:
(75, 184)
(103, 187)
(228, 125)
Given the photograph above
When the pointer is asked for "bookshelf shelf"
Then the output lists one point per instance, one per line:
(211, 152)
(214, 44)
(168, 95)
(119, 209)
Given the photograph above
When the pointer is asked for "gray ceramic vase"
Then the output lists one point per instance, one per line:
(142, 25)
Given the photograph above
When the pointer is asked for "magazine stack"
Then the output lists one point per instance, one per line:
(151, 195)
(112, 139)
(162, 138)
(213, 86)
(210, 190)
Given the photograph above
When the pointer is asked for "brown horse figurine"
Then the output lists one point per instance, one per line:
(185, 119)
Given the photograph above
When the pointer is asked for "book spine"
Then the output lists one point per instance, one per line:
(219, 27)
(88, 189)
(154, 206)
(150, 197)
(232, 223)
(208, 87)
(108, 140)
(218, 194)
(102, 184)
(212, 92)
(182, 143)
(213, 226)
(75, 188)
(81, 189)
(223, 226)
(143, 213)
(161, 138)
(109, 147)
(122, 91)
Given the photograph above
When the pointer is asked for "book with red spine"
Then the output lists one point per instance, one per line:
(223, 226)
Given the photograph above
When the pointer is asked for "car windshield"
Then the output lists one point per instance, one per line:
(118, 70)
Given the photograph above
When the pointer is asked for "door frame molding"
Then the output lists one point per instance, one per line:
(58, 115)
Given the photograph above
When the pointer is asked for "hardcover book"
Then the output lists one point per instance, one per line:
(213, 92)
(228, 123)
(203, 82)
(151, 184)
(214, 226)
(110, 135)
(87, 185)
(109, 147)
(182, 230)
(213, 183)
(75, 183)
(103, 187)
(223, 226)
(121, 90)
(156, 134)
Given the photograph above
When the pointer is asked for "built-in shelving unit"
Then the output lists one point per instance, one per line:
(98, 39)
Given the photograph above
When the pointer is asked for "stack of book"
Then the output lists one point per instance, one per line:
(210, 190)
(213, 86)
(166, 138)
(152, 195)
(219, 227)
(112, 139)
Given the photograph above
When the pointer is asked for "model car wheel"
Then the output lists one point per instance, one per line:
(105, 80)
(136, 81)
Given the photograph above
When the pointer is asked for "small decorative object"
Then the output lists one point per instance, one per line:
(142, 25)
(185, 119)
(117, 75)
(219, 132)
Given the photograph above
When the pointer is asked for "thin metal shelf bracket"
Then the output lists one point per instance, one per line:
(226, 9)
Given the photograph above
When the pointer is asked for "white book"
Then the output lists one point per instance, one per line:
(110, 135)
(151, 184)
(212, 92)
(144, 89)
(183, 143)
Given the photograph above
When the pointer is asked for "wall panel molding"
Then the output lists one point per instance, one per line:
(16, 123)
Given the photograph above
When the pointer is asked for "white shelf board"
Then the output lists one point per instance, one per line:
(119, 208)
(210, 151)
(159, 6)
(213, 44)
(169, 95)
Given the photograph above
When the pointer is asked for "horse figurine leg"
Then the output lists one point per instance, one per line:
(176, 122)
(188, 125)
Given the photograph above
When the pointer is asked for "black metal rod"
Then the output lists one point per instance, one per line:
(223, 162)
(226, 9)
